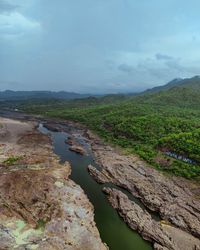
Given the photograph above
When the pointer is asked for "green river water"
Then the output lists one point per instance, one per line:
(114, 232)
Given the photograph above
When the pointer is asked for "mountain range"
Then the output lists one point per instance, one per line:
(23, 95)
(189, 83)
(186, 82)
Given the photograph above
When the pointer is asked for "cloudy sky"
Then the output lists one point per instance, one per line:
(97, 46)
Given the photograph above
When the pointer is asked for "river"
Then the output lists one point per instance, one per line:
(114, 232)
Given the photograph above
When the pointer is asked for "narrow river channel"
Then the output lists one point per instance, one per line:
(114, 232)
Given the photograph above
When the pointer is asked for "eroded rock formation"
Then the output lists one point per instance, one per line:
(163, 235)
(176, 200)
(78, 149)
(40, 207)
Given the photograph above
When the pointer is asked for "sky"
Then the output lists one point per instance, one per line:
(97, 46)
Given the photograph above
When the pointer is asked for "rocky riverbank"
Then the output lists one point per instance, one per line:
(40, 207)
(176, 200)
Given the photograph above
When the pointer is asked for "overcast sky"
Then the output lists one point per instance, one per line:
(97, 46)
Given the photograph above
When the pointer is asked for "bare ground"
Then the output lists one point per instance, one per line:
(40, 207)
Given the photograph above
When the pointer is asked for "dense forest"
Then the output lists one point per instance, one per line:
(162, 126)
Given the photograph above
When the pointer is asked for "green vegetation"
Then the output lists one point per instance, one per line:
(12, 160)
(40, 224)
(149, 125)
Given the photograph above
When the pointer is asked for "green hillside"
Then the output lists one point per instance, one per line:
(163, 128)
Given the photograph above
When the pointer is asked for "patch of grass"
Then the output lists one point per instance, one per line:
(12, 160)
(40, 224)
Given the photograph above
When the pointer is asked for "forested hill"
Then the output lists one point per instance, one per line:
(187, 82)
(185, 93)
(163, 128)
(24, 95)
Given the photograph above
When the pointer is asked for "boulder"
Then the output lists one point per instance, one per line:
(78, 149)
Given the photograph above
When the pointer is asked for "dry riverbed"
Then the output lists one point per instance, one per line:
(40, 207)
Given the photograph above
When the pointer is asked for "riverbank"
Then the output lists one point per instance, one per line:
(174, 199)
(113, 230)
(41, 207)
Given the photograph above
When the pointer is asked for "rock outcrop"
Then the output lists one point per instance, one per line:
(70, 141)
(176, 200)
(40, 207)
(52, 126)
(78, 149)
(100, 177)
(161, 234)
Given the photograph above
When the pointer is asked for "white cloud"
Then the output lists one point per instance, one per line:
(16, 24)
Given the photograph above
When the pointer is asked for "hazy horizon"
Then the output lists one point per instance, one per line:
(97, 47)
(94, 93)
